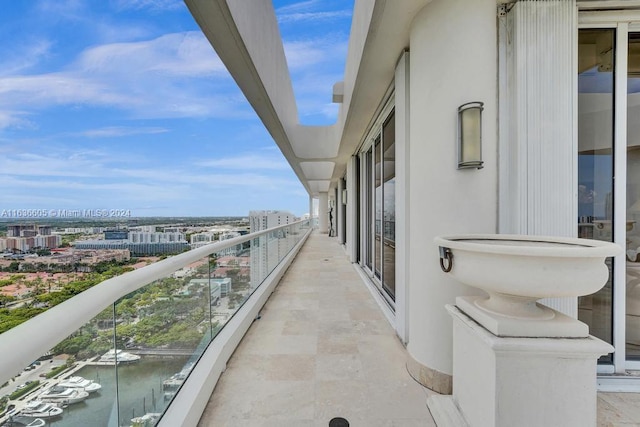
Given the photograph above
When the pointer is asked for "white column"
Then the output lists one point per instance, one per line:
(340, 208)
(441, 199)
(323, 212)
(538, 136)
(402, 196)
(311, 215)
(352, 233)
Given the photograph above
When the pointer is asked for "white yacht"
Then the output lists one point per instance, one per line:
(22, 421)
(147, 420)
(80, 383)
(119, 356)
(40, 409)
(63, 395)
(170, 386)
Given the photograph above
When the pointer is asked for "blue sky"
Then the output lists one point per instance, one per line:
(123, 104)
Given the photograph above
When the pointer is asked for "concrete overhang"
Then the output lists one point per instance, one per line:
(247, 39)
(370, 74)
(317, 170)
(320, 186)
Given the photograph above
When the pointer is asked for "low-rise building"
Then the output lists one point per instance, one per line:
(223, 285)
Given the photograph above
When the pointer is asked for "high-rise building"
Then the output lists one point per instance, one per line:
(265, 248)
(28, 230)
(49, 242)
(261, 220)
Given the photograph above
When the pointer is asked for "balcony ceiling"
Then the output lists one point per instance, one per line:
(246, 37)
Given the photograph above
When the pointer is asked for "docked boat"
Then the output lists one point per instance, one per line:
(63, 395)
(118, 356)
(171, 385)
(22, 421)
(40, 409)
(147, 420)
(80, 383)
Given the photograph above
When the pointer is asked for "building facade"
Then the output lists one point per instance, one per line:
(155, 237)
(136, 248)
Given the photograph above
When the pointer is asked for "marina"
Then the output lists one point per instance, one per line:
(142, 395)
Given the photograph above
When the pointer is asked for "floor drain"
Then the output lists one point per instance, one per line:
(338, 422)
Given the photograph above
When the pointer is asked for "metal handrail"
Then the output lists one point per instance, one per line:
(28, 341)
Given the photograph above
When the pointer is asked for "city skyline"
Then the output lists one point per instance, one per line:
(123, 105)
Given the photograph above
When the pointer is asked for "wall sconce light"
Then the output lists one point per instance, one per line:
(470, 135)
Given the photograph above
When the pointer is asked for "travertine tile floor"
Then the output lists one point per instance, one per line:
(618, 409)
(323, 349)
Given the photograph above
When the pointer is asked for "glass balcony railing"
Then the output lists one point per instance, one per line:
(127, 364)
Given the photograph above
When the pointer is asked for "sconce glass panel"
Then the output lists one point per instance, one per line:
(470, 135)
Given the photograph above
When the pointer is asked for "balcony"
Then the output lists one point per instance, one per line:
(319, 348)
(322, 349)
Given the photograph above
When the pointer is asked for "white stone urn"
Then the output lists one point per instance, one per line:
(517, 270)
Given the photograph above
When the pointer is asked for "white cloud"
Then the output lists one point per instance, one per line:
(297, 7)
(15, 119)
(175, 75)
(155, 5)
(58, 88)
(71, 10)
(85, 167)
(304, 54)
(313, 16)
(22, 56)
(117, 131)
(176, 54)
(30, 164)
(327, 49)
(247, 162)
(310, 10)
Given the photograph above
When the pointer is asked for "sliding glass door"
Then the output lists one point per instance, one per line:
(632, 221)
(609, 179)
(377, 181)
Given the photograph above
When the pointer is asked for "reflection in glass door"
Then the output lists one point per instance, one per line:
(596, 75)
(366, 202)
(632, 226)
(609, 140)
(389, 205)
(378, 208)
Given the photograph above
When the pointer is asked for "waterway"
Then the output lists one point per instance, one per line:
(139, 392)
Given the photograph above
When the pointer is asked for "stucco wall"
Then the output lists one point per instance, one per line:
(453, 61)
